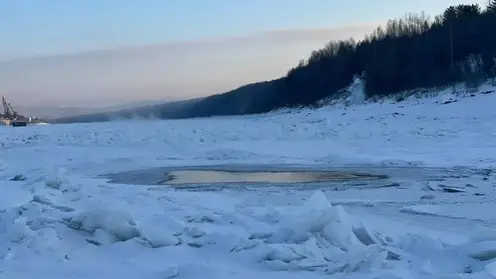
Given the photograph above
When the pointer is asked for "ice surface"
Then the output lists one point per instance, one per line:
(58, 221)
(482, 211)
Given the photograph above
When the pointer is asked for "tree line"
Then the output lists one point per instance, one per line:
(408, 53)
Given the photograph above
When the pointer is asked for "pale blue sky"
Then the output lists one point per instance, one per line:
(169, 49)
(33, 27)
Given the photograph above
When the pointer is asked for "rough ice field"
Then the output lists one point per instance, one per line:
(58, 221)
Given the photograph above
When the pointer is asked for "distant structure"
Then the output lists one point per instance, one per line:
(10, 117)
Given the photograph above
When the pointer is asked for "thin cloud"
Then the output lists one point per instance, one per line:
(167, 71)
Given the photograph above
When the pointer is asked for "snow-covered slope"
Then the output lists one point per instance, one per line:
(58, 221)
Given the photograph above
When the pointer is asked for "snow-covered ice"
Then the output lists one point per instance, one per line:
(59, 220)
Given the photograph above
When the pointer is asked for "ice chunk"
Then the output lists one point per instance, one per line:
(370, 257)
(427, 268)
(194, 232)
(169, 273)
(339, 230)
(288, 235)
(482, 251)
(103, 237)
(367, 237)
(484, 234)
(119, 224)
(158, 236)
(245, 244)
(318, 201)
(491, 268)
(18, 231)
(175, 226)
(419, 244)
(283, 254)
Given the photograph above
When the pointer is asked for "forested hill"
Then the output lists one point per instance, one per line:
(408, 53)
(412, 52)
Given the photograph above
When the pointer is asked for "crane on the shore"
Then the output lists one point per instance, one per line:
(10, 117)
(8, 111)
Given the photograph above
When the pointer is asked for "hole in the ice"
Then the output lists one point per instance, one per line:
(339, 177)
(185, 177)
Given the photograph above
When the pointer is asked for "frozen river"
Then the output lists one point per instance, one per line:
(373, 191)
